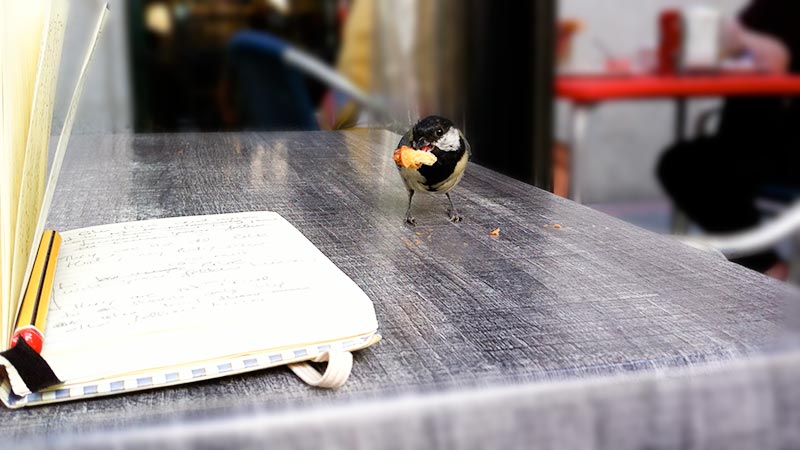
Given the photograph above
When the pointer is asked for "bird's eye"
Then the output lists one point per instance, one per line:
(439, 132)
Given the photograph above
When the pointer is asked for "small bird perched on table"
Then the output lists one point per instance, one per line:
(439, 136)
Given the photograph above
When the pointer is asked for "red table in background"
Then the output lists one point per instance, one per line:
(585, 91)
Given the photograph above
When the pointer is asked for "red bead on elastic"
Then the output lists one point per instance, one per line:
(32, 336)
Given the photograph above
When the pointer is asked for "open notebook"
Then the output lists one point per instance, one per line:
(144, 304)
(152, 303)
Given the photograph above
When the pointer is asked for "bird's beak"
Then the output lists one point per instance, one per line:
(423, 145)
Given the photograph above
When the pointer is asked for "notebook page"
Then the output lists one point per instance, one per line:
(34, 169)
(63, 140)
(21, 29)
(161, 293)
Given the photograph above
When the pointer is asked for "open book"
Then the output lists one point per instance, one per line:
(152, 303)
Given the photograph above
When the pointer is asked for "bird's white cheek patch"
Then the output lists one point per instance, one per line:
(450, 141)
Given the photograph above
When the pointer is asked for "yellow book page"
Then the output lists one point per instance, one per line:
(34, 168)
(22, 27)
(3, 146)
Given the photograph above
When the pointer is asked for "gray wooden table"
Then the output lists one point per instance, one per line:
(592, 333)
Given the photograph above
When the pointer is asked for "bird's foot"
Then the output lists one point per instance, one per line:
(455, 217)
(410, 220)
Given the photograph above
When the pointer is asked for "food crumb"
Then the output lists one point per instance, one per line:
(495, 232)
(556, 225)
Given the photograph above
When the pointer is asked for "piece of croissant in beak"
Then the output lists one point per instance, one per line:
(413, 159)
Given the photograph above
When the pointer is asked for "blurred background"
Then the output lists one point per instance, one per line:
(490, 66)
(178, 65)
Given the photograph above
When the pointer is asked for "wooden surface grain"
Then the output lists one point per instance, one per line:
(458, 309)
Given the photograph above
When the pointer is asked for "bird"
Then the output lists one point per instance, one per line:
(439, 136)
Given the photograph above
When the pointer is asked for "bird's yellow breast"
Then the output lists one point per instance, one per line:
(451, 181)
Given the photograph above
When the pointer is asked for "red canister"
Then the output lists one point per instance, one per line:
(669, 42)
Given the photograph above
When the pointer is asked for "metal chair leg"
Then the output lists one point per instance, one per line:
(579, 117)
(680, 222)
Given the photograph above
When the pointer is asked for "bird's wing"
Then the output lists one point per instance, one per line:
(405, 140)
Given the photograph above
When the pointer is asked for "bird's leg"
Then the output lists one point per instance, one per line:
(409, 218)
(451, 211)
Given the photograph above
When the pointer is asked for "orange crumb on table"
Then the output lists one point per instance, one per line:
(495, 232)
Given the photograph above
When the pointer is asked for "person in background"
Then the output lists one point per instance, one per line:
(354, 61)
(715, 180)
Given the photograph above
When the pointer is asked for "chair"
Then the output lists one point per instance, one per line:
(781, 201)
(785, 225)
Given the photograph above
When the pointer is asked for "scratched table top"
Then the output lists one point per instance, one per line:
(562, 293)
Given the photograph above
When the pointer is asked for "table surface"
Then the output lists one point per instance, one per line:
(458, 309)
(597, 88)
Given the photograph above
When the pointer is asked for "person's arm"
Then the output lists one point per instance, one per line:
(769, 53)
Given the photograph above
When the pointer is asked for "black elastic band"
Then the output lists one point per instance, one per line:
(32, 368)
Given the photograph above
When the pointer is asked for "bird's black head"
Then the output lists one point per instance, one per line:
(434, 131)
